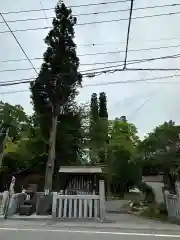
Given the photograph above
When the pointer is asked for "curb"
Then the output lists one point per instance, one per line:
(167, 220)
(58, 220)
(28, 219)
(100, 226)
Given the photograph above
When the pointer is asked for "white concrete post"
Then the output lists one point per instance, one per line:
(54, 205)
(102, 199)
(177, 186)
(166, 193)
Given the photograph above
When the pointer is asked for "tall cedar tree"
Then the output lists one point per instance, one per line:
(57, 82)
(94, 108)
(103, 119)
(94, 116)
(103, 113)
(55, 88)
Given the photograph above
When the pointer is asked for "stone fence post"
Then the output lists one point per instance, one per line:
(177, 187)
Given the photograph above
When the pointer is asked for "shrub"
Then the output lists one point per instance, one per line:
(149, 195)
(162, 208)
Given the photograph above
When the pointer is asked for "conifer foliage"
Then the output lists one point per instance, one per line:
(58, 79)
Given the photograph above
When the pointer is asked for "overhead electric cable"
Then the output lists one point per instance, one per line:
(153, 79)
(44, 11)
(72, 6)
(130, 62)
(18, 43)
(95, 22)
(97, 53)
(128, 33)
(90, 13)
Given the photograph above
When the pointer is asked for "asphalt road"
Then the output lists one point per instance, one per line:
(88, 235)
(35, 232)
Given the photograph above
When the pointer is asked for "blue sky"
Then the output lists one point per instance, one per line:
(144, 104)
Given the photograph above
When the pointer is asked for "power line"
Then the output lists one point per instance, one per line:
(18, 43)
(134, 81)
(90, 73)
(118, 42)
(72, 6)
(128, 33)
(122, 42)
(106, 68)
(153, 69)
(90, 13)
(28, 80)
(27, 90)
(96, 22)
(44, 11)
(102, 53)
(97, 53)
(152, 80)
(130, 62)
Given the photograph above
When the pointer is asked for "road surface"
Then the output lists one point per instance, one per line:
(42, 231)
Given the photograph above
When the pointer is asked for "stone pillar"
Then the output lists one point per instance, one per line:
(166, 193)
(102, 199)
(177, 187)
(54, 205)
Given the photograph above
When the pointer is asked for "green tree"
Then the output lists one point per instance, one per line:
(24, 151)
(103, 127)
(160, 154)
(123, 171)
(94, 108)
(103, 113)
(98, 128)
(55, 88)
(70, 138)
(14, 118)
(94, 116)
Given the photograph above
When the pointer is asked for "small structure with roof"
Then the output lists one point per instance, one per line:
(81, 193)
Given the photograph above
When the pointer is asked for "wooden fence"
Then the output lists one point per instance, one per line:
(173, 205)
(77, 206)
(80, 206)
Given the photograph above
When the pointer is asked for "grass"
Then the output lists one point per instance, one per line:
(154, 214)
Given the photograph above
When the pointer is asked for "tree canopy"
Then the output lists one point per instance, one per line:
(55, 89)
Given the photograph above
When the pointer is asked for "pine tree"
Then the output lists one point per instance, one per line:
(94, 108)
(55, 88)
(103, 113)
(103, 127)
(123, 118)
(94, 116)
(59, 77)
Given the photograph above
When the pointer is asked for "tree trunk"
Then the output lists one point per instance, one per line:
(51, 156)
